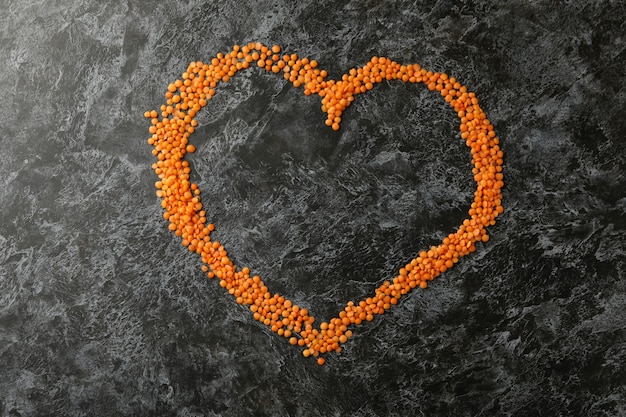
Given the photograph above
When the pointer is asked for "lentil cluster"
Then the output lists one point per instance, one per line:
(172, 126)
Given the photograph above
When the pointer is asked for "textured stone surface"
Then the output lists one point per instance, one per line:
(103, 312)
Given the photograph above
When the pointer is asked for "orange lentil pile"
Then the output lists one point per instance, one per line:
(172, 126)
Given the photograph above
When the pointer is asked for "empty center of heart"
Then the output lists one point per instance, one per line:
(315, 212)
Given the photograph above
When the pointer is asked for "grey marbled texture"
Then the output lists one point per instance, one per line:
(103, 312)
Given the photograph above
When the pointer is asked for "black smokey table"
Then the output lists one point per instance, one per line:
(104, 312)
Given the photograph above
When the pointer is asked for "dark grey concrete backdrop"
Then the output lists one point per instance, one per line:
(103, 313)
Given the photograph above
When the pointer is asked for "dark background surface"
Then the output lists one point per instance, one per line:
(103, 312)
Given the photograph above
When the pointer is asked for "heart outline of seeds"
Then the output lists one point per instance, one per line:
(172, 127)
